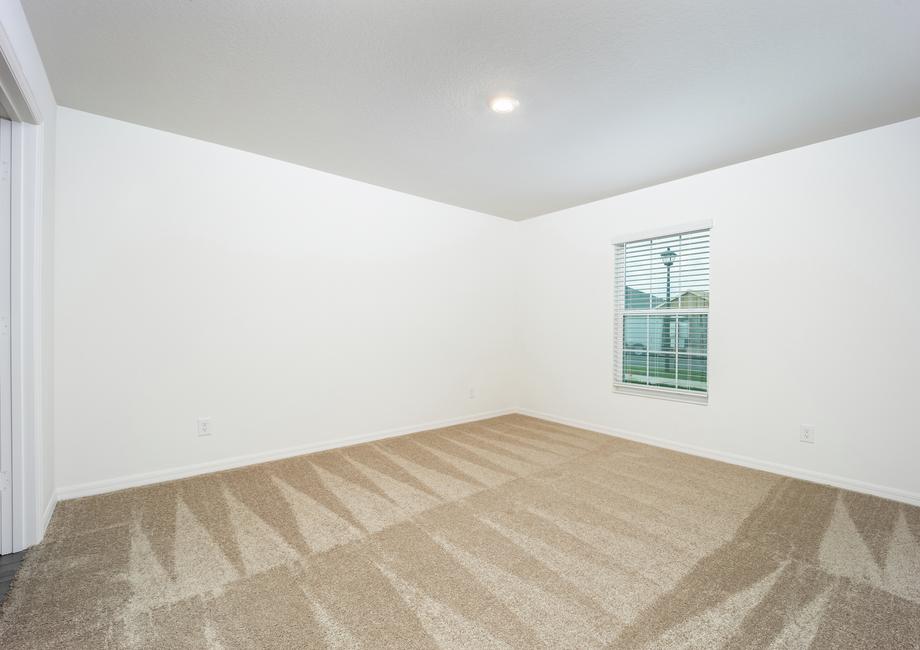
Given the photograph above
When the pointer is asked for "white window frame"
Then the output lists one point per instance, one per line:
(620, 387)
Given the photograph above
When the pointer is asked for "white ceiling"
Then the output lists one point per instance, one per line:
(615, 94)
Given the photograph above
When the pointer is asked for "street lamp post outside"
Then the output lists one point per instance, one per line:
(667, 258)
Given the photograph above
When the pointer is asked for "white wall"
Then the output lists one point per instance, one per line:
(815, 315)
(36, 287)
(298, 308)
(291, 306)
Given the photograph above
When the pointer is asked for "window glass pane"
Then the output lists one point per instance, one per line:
(635, 332)
(662, 370)
(662, 333)
(691, 372)
(692, 271)
(637, 299)
(693, 334)
(665, 272)
(635, 343)
(635, 367)
(637, 281)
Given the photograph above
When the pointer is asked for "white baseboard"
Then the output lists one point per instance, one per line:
(46, 517)
(147, 478)
(185, 471)
(883, 491)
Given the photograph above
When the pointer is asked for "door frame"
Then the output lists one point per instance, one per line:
(6, 346)
(28, 477)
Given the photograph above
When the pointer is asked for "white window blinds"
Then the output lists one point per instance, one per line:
(662, 313)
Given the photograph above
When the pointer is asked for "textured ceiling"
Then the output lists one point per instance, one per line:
(615, 94)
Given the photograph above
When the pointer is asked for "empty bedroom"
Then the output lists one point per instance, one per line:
(459, 324)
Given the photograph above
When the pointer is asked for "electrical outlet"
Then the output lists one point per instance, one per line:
(472, 394)
(204, 427)
(807, 434)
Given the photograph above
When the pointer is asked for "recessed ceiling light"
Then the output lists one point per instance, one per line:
(503, 104)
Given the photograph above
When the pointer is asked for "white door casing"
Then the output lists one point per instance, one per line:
(6, 401)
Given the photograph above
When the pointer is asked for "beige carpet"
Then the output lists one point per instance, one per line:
(510, 532)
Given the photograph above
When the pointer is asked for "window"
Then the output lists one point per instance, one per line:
(662, 315)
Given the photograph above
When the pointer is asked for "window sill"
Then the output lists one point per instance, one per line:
(662, 393)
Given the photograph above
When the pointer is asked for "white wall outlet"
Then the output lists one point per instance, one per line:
(204, 427)
(472, 393)
(807, 433)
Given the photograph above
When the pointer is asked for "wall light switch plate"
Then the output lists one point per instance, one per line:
(204, 426)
